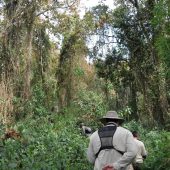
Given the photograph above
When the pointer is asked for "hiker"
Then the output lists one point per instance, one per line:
(141, 154)
(112, 147)
(86, 130)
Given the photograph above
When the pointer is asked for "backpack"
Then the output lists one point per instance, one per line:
(106, 134)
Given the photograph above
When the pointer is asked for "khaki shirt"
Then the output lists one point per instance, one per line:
(141, 151)
(122, 140)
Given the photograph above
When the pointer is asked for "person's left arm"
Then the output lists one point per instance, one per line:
(90, 151)
(143, 153)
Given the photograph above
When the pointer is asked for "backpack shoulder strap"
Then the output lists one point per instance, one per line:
(106, 134)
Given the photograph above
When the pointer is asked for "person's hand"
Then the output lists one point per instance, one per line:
(108, 167)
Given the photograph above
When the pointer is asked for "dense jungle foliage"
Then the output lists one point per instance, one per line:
(59, 68)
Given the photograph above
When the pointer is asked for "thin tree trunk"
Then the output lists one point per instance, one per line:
(133, 101)
(28, 57)
(106, 91)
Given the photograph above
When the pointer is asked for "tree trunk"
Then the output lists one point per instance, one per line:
(106, 91)
(28, 57)
(133, 101)
(65, 71)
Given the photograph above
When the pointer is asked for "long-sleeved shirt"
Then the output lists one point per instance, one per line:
(122, 140)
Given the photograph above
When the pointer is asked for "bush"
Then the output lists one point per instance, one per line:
(54, 142)
(90, 102)
(51, 142)
(157, 144)
(90, 106)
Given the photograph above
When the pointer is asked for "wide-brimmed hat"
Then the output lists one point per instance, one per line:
(111, 115)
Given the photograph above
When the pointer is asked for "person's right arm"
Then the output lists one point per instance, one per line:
(129, 155)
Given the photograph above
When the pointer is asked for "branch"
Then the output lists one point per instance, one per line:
(109, 36)
(50, 8)
(135, 3)
(112, 42)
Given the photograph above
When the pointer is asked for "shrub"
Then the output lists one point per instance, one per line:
(51, 142)
(157, 144)
(90, 102)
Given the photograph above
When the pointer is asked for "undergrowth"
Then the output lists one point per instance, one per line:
(55, 142)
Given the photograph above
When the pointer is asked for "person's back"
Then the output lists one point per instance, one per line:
(121, 141)
(141, 151)
(118, 157)
(141, 154)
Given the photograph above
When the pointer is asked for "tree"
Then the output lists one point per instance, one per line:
(135, 35)
(73, 47)
(20, 42)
